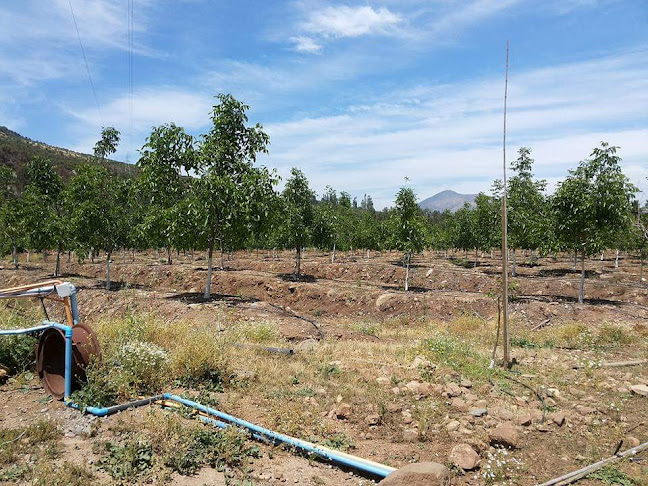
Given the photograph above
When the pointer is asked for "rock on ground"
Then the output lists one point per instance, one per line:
(419, 474)
(505, 435)
(464, 456)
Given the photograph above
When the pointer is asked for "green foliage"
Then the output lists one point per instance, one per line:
(17, 353)
(611, 475)
(107, 144)
(593, 203)
(298, 214)
(451, 352)
(339, 441)
(127, 461)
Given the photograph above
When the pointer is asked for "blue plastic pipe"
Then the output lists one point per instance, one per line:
(258, 432)
(348, 460)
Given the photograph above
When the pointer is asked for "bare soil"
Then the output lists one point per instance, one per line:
(369, 328)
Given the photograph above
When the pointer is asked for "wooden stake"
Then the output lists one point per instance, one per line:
(505, 319)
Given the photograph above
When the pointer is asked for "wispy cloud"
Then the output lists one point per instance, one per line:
(306, 44)
(345, 21)
(450, 136)
(334, 22)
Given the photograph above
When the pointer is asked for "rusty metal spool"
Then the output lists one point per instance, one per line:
(50, 357)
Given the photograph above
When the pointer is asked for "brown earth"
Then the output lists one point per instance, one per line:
(334, 304)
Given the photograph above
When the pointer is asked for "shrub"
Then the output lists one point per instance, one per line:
(144, 363)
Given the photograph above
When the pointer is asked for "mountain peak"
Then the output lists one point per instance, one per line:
(447, 199)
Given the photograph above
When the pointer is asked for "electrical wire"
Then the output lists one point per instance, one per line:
(85, 60)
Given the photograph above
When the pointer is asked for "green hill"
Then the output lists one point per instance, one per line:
(16, 151)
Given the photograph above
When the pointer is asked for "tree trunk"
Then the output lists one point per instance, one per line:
(298, 261)
(108, 254)
(616, 259)
(28, 255)
(407, 265)
(92, 256)
(575, 260)
(69, 256)
(169, 261)
(581, 294)
(221, 264)
(14, 254)
(514, 272)
(123, 256)
(492, 256)
(210, 255)
(133, 256)
(333, 254)
(476, 261)
(57, 268)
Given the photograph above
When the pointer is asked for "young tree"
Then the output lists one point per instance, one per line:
(592, 204)
(527, 218)
(107, 144)
(298, 215)
(167, 151)
(10, 213)
(96, 199)
(487, 220)
(408, 227)
(43, 209)
(226, 197)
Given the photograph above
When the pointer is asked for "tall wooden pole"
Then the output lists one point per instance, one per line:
(505, 319)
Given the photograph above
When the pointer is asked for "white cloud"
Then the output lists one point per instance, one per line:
(345, 21)
(151, 107)
(306, 44)
(450, 136)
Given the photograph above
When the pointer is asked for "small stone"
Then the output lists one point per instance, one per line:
(641, 390)
(464, 456)
(583, 410)
(479, 412)
(395, 390)
(466, 383)
(410, 435)
(373, 419)
(459, 404)
(453, 390)
(306, 345)
(524, 420)
(419, 474)
(632, 441)
(407, 418)
(504, 414)
(505, 434)
(343, 411)
(383, 380)
(557, 418)
(394, 407)
(553, 392)
(453, 425)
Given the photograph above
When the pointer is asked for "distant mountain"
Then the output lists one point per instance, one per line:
(447, 200)
(16, 151)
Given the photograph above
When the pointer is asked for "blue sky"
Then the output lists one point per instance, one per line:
(359, 95)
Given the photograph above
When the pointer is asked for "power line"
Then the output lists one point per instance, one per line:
(85, 60)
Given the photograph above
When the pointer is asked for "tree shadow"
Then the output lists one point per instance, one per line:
(564, 272)
(199, 298)
(571, 300)
(117, 285)
(399, 263)
(291, 277)
(413, 289)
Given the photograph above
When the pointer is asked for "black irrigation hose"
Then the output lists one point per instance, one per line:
(535, 392)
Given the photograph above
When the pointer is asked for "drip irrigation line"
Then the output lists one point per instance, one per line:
(535, 392)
